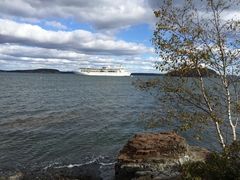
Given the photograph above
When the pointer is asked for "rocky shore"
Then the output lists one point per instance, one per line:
(146, 156)
(155, 156)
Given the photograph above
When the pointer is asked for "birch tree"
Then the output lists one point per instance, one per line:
(202, 39)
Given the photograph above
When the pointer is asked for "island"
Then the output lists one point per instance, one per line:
(205, 72)
(45, 71)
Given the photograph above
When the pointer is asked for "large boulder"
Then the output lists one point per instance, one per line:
(155, 156)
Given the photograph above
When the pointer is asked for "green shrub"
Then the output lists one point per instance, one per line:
(217, 166)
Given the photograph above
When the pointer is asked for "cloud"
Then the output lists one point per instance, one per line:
(102, 14)
(55, 24)
(22, 57)
(80, 41)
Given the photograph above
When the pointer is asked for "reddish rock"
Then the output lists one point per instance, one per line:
(143, 147)
(158, 155)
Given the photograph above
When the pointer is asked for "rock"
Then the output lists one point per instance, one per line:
(16, 176)
(155, 156)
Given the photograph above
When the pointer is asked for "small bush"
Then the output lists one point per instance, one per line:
(217, 166)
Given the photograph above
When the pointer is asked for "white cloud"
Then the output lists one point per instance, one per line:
(78, 40)
(24, 57)
(103, 14)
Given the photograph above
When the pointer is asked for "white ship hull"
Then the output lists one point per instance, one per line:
(103, 73)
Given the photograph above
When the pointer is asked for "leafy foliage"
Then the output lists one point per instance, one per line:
(217, 166)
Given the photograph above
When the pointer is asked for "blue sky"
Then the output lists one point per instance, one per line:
(68, 34)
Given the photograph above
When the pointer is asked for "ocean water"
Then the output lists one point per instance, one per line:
(67, 120)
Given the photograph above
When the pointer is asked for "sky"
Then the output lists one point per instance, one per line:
(69, 34)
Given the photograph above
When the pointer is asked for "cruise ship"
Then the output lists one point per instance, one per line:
(104, 71)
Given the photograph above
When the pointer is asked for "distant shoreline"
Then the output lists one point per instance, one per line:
(56, 71)
(45, 71)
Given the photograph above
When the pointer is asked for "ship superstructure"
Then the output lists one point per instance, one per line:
(104, 71)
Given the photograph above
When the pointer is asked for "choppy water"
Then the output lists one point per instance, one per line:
(67, 120)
